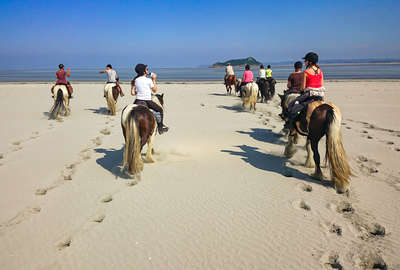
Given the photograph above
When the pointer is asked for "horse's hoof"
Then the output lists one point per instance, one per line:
(309, 164)
(317, 176)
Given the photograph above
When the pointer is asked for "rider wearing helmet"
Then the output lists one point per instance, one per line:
(142, 88)
(312, 88)
(61, 75)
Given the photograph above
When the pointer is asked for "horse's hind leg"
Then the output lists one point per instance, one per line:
(149, 156)
(309, 161)
(318, 173)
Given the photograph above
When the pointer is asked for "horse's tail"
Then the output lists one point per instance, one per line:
(111, 103)
(58, 105)
(254, 92)
(335, 154)
(132, 153)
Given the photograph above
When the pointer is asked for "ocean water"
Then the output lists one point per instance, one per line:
(339, 71)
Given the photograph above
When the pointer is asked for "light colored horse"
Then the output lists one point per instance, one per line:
(61, 102)
(109, 95)
(321, 119)
(139, 127)
(250, 95)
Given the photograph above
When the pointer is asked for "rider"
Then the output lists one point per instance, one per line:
(61, 75)
(268, 72)
(261, 72)
(312, 88)
(228, 71)
(143, 87)
(112, 77)
(247, 77)
(295, 84)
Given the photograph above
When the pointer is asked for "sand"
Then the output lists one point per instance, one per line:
(219, 196)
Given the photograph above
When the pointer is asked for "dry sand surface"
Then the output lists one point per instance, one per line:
(220, 195)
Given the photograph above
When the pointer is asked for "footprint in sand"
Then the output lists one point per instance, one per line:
(376, 229)
(369, 137)
(345, 208)
(301, 204)
(97, 141)
(106, 198)
(371, 260)
(41, 191)
(85, 154)
(397, 149)
(98, 218)
(21, 216)
(336, 229)
(131, 183)
(306, 188)
(389, 143)
(1, 156)
(333, 261)
(105, 131)
(64, 243)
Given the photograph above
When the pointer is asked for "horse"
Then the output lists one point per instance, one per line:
(263, 86)
(230, 80)
(321, 119)
(61, 102)
(111, 94)
(139, 127)
(249, 95)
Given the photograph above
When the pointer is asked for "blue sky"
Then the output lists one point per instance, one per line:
(190, 33)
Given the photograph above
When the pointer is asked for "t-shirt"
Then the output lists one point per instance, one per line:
(268, 73)
(261, 73)
(229, 70)
(143, 87)
(111, 75)
(61, 77)
(247, 76)
(296, 81)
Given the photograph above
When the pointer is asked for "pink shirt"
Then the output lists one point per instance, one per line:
(247, 76)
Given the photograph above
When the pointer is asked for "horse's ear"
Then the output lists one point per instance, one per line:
(162, 95)
(281, 96)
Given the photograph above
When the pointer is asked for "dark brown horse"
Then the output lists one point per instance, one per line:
(267, 88)
(139, 127)
(229, 82)
(320, 119)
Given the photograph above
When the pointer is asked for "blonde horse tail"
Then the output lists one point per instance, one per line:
(58, 105)
(132, 153)
(335, 154)
(111, 103)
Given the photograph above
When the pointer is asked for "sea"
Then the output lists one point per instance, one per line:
(171, 74)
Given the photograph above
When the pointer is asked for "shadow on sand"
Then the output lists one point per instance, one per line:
(235, 108)
(218, 95)
(271, 163)
(264, 135)
(112, 161)
(101, 110)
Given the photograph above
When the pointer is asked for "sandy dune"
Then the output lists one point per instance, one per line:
(220, 195)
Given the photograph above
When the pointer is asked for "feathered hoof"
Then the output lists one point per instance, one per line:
(317, 176)
(150, 160)
(289, 152)
(309, 164)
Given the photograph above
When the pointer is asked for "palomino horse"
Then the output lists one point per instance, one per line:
(61, 102)
(111, 94)
(250, 95)
(139, 127)
(321, 118)
(229, 82)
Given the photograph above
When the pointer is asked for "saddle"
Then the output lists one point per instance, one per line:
(304, 122)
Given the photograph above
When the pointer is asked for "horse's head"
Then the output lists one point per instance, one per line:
(160, 98)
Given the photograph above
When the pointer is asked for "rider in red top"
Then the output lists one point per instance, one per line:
(61, 75)
(313, 86)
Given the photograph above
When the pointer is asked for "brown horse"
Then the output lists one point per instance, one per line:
(139, 127)
(320, 119)
(230, 80)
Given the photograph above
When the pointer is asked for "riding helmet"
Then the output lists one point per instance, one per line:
(311, 57)
(140, 69)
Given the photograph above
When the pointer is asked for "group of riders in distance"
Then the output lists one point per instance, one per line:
(303, 109)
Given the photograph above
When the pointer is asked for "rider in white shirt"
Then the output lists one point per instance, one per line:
(142, 87)
(112, 77)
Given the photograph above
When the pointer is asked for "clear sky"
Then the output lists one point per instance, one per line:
(190, 33)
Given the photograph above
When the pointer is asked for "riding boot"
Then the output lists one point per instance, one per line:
(161, 127)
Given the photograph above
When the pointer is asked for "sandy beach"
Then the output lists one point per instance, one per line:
(220, 195)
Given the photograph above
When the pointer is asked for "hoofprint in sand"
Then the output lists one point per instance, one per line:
(219, 196)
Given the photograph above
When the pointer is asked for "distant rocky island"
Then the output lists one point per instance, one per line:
(237, 62)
